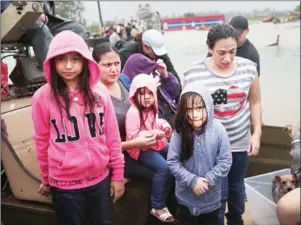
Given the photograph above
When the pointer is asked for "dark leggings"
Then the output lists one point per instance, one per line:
(185, 218)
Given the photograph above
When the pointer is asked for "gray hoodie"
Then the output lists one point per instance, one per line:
(211, 159)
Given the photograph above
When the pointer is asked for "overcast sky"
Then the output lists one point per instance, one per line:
(116, 9)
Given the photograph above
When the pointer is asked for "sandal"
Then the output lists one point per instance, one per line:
(165, 217)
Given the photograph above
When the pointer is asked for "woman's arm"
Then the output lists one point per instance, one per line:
(142, 141)
(255, 106)
(125, 145)
(256, 117)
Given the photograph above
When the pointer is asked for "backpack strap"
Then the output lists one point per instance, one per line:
(125, 81)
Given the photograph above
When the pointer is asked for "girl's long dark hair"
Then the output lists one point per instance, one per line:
(183, 126)
(141, 109)
(60, 90)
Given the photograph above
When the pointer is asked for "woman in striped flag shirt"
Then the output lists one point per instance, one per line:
(234, 86)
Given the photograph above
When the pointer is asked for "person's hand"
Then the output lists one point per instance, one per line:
(201, 186)
(166, 130)
(117, 189)
(157, 80)
(162, 69)
(159, 133)
(43, 18)
(146, 139)
(254, 145)
(44, 190)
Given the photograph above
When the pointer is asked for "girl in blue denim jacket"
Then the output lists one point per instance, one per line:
(199, 156)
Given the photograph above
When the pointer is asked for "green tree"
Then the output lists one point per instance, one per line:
(297, 9)
(189, 14)
(108, 23)
(93, 28)
(71, 10)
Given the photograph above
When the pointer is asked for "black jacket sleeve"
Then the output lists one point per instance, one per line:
(48, 7)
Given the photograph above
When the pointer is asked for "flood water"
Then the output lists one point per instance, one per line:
(280, 66)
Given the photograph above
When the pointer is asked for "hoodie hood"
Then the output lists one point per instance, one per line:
(138, 64)
(140, 81)
(68, 41)
(204, 92)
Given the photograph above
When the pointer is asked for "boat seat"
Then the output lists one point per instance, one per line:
(18, 150)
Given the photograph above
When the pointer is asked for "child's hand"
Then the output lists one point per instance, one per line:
(44, 190)
(159, 133)
(117, 189)
(167, 131)
(146, 139)
(201, 186)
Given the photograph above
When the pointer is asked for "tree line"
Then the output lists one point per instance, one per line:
(73, 10)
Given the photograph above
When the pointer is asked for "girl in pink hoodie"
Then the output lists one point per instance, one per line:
(76, 135)
(142, 118)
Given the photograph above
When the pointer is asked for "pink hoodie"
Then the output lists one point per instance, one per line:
(78, 153)
(132, 121)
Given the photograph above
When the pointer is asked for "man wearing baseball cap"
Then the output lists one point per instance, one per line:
(245, 48)
(152, 46)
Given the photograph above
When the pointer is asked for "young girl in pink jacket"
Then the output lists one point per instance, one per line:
(141, 118)
(76, 135)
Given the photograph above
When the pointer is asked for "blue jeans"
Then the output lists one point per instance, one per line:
(70, 206)
(135, 169)
(156, 160)
(233, 190)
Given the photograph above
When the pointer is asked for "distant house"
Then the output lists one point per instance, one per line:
(295, 15)
(193, 22)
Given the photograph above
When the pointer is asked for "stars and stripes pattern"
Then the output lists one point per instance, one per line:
(228, 102)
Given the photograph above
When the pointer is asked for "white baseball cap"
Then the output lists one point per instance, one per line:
(155, 40)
